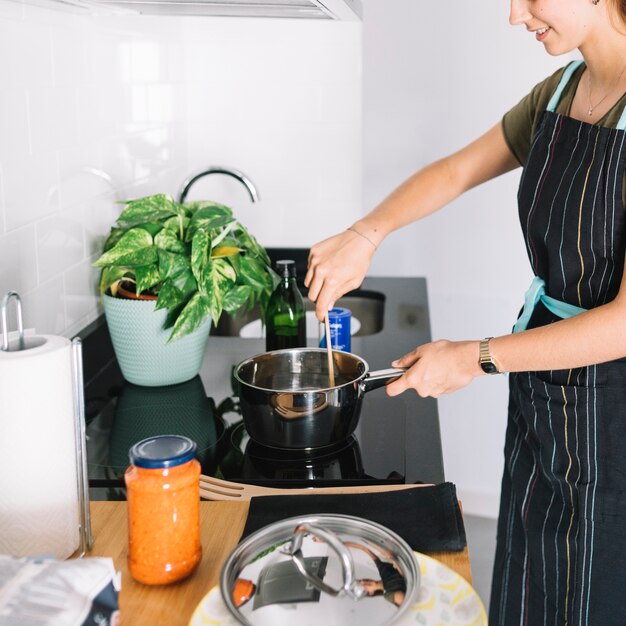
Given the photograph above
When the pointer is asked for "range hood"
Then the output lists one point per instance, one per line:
(345, 10)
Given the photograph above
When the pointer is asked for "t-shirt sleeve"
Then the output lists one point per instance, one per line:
(518, 124)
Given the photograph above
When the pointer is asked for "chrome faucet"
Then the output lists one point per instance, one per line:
(240, 176)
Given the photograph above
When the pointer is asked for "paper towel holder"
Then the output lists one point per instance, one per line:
(84, 521)
(5, 323)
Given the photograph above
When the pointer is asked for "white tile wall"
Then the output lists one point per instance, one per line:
(98, 109)
(280, 100)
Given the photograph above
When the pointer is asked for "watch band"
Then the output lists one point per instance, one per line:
(485, 360)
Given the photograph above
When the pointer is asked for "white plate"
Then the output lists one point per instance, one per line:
(445, 599)
(256, 330)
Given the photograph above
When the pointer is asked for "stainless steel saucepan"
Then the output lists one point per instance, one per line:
(286, 401)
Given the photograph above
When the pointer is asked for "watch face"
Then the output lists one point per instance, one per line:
(489, 367)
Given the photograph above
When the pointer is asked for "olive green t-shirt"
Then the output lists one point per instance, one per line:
(520, 123)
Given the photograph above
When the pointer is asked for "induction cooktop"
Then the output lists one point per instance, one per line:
(372, 454)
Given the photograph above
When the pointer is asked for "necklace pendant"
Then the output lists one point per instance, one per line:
(590, 112)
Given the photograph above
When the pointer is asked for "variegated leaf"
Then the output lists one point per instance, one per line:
(147, 276)
(144, 210)
(111, 275)
(167, 240)
(171, 265)
(236, 298)
(134, 248)
(199, 253)
(254, 273)
(169, 296)
(191, 317)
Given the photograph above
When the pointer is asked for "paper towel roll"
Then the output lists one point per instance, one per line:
(39, 511)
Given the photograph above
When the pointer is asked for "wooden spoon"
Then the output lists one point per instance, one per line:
(329, 351)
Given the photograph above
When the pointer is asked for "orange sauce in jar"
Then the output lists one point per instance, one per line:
(163, 493)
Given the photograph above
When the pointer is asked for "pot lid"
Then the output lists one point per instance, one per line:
(320, 569)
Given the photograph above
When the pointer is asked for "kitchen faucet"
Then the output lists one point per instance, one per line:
(240, 176)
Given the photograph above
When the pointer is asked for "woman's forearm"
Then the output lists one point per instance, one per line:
(596, 336)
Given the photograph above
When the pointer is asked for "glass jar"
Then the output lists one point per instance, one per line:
(163, 495)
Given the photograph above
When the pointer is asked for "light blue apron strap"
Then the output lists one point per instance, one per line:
(537, 293)
(533, 295)
(559, 308)
(621, 125)
(567, 74)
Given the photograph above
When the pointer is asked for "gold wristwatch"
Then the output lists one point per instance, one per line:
(486, 361)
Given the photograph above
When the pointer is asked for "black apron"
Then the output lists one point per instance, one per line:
(561, 546)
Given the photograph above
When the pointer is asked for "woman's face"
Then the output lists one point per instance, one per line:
(560, 25)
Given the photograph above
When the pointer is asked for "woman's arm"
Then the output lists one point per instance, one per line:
(596, 336)
(338, 264)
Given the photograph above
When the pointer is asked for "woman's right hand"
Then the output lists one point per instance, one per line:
(337, 265)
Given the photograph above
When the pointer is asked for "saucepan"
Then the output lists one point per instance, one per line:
(287, 402)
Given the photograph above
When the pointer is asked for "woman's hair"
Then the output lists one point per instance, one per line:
(618, 11)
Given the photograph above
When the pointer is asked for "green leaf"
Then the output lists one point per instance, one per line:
(110, 275)
(147, 276)
(169, 296)
(250, 243)
(171, 265)
(186, 282)
(114, 236)
(237, 297)
(134, 248)
(219, 276)
(209, 219)
(200, 247)
(254, 273)
(144, 210)
(167, 240)
(191, 317)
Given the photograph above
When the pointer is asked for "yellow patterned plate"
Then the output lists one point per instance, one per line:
(445, 599)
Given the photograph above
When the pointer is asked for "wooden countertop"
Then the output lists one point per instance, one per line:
(172, 605)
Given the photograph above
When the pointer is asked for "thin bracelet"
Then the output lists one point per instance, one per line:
(362, 235)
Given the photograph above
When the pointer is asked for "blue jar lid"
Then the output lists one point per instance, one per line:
(162, 451)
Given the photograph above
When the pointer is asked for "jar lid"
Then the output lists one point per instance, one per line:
(162, 451)
(316, 569)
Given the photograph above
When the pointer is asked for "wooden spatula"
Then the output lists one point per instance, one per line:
(329, 351)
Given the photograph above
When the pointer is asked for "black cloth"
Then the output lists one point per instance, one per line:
(427, 518)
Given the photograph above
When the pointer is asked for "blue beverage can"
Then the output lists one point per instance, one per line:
(339, 322)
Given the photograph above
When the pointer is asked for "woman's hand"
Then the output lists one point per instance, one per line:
(437, 368)
(336, 265)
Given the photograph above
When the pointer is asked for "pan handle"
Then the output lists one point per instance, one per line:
(380, 378)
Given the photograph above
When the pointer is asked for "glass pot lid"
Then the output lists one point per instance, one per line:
(320, 569)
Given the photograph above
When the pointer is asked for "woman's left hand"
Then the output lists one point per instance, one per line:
(437, 368)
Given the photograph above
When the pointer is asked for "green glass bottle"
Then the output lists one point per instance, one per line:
(286, 318)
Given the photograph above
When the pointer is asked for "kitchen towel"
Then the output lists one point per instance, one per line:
(428, 518)
(39, 512)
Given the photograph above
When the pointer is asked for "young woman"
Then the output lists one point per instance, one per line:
(561, 553)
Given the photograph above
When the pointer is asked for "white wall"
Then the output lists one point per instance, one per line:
(436, 75)
(280, 100)
(146, 101)
(80, 100)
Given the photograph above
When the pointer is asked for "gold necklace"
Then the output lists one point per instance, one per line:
(597, 104)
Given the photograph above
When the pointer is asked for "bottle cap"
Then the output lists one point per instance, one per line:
(286, 268)
(162, 451)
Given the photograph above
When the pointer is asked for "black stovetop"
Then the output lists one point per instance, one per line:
(397, 439)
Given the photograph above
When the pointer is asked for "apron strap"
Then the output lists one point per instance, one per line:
(537, 293)
(567, 74)
(621, 125)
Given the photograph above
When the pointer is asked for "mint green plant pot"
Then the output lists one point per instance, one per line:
(141, 347)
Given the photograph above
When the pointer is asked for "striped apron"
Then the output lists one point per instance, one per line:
(561, 546)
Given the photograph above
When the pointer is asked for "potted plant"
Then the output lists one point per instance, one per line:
(167, 271)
